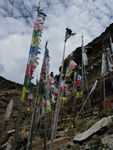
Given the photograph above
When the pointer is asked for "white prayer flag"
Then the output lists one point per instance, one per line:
(9, 110)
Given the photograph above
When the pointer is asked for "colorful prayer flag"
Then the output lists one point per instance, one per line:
(35, 50)
(38, 26)
(45, 65)
(72, 65)
(37, 33)
(35, 41)
(25, 92)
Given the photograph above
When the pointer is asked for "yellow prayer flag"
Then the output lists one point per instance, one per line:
(79, 94)
(35, 41)
(25, 93)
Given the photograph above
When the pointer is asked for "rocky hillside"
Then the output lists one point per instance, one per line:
(94, 53)
(10, 90)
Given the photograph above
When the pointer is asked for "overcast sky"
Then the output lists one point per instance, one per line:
(85, 17)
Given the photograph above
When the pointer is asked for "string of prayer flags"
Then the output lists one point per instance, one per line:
(56, 92)
(70, 69)
(29, 101)
(45, 65)
(48, 81)
(63, 91)
(79, 91)
(33, 53)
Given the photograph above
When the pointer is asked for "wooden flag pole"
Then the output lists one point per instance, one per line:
(87, 90)
(45, 119)
(58, 104)
(17, 125)
(29, 144)
(74, 91)
(45, 130)
(82, 79)
(104, 90)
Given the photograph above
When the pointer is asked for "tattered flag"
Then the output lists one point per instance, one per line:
(9, 110)
(111, 44)
(110, 60)
(103, 65)
(68, 33)
(41, 14)
(84, 57)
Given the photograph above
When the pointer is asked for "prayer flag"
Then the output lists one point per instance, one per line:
(30, 70)
(9, 110)
(33, 60)
(38, 26)
(103, 65)
(37, 33)
(39, 20)
(25, 92)
(68, 33)
(35, 41)
(41, 14)
(110, 60)
(84, 57)
(35, 50)
(111, 44)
